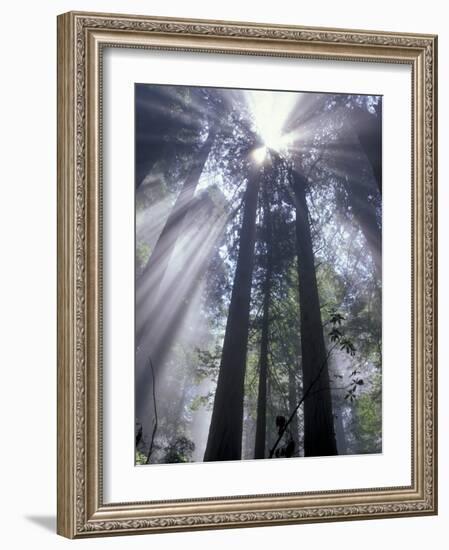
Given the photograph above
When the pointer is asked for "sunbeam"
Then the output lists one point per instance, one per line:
(270, 112)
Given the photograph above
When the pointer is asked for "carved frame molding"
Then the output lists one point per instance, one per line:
(81, 38)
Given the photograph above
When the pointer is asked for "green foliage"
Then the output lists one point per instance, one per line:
(207, 363)
(335, 334)
(143, 252)
(336, 318)
(140, 458)
(347, 346)
(201, 401)
(368, 423)
(179, 450)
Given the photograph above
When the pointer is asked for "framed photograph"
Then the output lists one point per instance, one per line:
(246, 274)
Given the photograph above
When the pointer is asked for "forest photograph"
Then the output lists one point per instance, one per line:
(258, 274)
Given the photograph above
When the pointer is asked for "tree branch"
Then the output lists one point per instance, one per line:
(155, 421)
(304, 397)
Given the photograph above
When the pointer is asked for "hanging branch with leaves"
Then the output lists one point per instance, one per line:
(344, 344)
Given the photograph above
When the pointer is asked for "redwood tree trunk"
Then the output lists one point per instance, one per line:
(226, 427)
(319, 435)
(261, 425)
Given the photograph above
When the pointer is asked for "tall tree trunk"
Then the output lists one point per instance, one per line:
(319, 436)
(225, 432)
(147, 293)
(261, 425)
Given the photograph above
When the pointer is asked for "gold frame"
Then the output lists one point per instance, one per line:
(81, 37)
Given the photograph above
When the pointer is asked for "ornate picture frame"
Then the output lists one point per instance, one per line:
(82, 40)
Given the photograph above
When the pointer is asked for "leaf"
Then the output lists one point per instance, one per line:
(347, 346)
(336, 318)
(335, 334)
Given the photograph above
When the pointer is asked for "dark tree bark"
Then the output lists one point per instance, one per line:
(319, 435)
(147, 293)
(225, 431)
(261, 425)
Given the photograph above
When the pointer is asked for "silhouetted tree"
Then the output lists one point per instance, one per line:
(319, 436)
(225, 432)
(259, 451)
